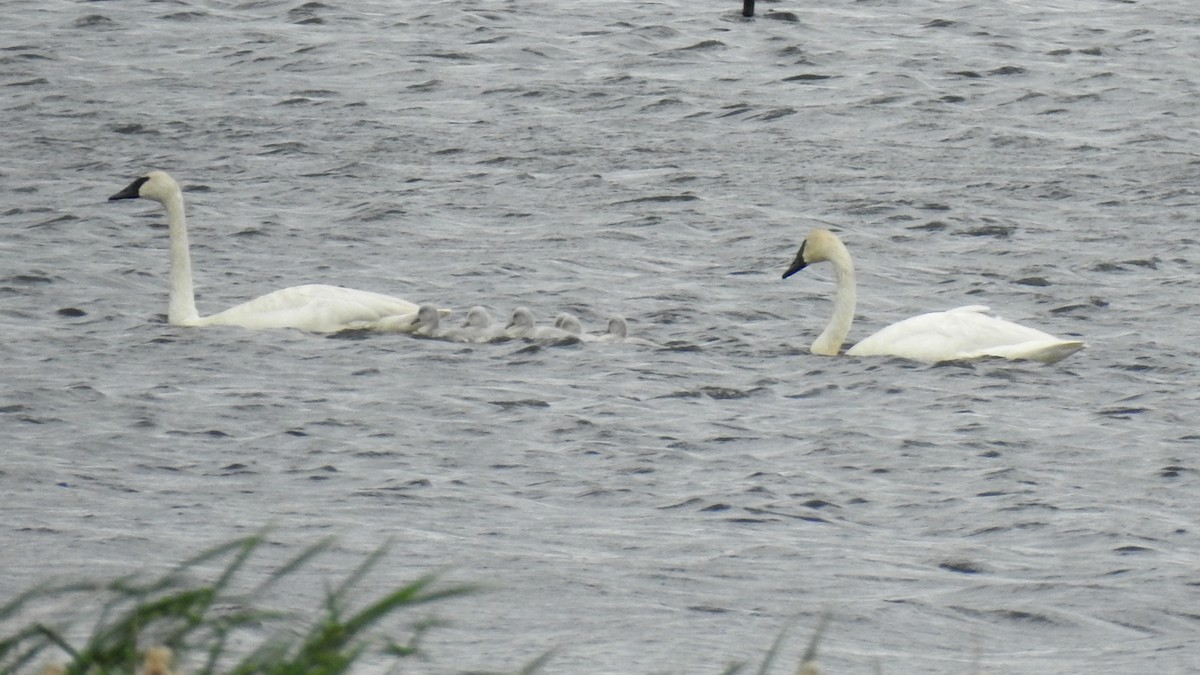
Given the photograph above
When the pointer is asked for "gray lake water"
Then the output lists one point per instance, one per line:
(639, 510)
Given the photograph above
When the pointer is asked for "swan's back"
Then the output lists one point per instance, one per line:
(964, 333)
(318, 308)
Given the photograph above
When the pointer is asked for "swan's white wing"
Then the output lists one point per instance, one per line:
(963, 333)
(1046, 351)
(396, 323)
(313, 307)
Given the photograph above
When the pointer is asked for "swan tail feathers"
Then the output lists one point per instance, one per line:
(1045, 351)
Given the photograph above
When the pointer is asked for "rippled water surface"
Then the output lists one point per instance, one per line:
(640, 510)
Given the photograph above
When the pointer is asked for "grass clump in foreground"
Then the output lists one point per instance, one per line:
(142, 625)
(808, 662)
(173, 614)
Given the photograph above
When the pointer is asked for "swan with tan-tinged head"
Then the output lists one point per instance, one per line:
(313, 307)
(957, 334)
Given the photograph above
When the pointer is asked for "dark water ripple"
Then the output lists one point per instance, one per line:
(641, 510)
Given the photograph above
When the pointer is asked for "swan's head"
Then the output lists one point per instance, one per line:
(821, 245)
(569, 323)
(617, 326)
(156, 185)
(478, 317)
(521, 318)
(427, 317)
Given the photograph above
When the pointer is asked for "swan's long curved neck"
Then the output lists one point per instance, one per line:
(829, 342)
(182, 308)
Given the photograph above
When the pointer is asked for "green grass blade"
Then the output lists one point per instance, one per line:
(293, 565)
(769, 659)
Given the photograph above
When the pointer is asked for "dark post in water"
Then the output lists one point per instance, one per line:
(747, 7)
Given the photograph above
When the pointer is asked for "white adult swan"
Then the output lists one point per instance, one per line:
(314, 307)
(957, 334)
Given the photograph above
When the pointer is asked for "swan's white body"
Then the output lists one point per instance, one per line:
(958, 334)
(524, 326)
(314, 307)
(396, 323)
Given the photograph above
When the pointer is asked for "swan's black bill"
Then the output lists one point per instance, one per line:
(130, 192)
(797, 264)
